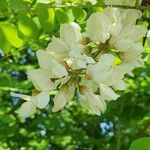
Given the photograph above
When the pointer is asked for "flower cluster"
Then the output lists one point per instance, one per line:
(91, 64)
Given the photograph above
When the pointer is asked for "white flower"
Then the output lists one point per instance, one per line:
(62, 97)
(59, 101)
(130, 32)
(115, 17)
(55, 69)
(107, 93)
(98, 27)
(100, 71)
(58, 49)
(29, 107)
(92, 101)
(117, 74)
(130, 16)
(70, 33)
(120, 85)
(41, 79)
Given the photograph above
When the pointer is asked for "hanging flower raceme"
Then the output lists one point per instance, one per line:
(90, 65)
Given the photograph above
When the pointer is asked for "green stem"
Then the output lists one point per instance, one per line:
(118, 146)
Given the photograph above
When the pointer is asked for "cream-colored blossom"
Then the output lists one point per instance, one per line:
(100, 71)
(107, 93)
(98, 27)
(115, 17)
(130, 16)
(62, 97)
(41, 79)
(70, 33)
(29, 107)
(92, 101)
(58, 49)
(55, 69)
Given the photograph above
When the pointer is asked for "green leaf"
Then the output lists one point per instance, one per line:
(27, 29)
(61, 16)
(11, 35)
(141, 144)
(4, 44)
(46, 17)
(18, 5)
(70, 15)
(79, 13)
(3, 4)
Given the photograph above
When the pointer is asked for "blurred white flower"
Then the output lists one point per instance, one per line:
(29, 107)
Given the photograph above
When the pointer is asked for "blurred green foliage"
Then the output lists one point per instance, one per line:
(28, 25)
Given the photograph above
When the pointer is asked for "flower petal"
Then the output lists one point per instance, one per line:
(58, 49)
(59, 101)
(22, 96)
(70, 33)
(42, 99)
(41, 79)
(98, 27)
(107, 93)
(26, 109)
(55, 69)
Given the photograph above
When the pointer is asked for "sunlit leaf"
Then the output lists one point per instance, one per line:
(79, 13)
(141, 144)
(46, 17)
(61, 16)
(27, 28)
(11, 35)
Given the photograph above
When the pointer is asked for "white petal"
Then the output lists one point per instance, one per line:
(123, 45)
(84, 102)
(22, 96)
(58, 49)
(41, 79)
(98, 27)
(105, 62)
(97, 104)
(115, 16)
(107, 93)
(46, 61)
(42, 99)
(70, 92)
(70, 33)
(59, 101)
(131, 16)
(121, 85)
(26, 109)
